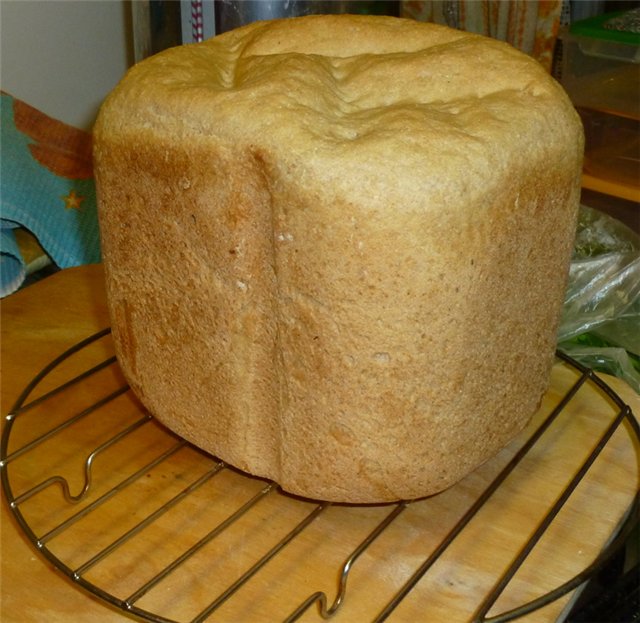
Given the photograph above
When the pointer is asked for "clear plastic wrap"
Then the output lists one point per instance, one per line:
(600, 324)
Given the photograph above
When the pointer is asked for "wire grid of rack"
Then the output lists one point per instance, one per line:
(124, 508)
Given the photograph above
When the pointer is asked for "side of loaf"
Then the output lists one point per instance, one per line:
(336, 247)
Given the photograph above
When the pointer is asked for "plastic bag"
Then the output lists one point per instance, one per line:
(600, 324)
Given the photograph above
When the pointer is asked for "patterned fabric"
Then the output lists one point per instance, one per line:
(529, 26)
(47, 190)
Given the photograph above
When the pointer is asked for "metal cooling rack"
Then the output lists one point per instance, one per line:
(23, 489)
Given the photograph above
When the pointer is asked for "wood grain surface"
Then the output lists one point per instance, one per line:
(42, 320)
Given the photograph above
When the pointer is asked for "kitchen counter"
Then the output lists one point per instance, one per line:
(44, 319)
(38, 323)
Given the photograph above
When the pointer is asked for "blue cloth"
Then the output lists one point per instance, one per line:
(60, 211)
(12, 269)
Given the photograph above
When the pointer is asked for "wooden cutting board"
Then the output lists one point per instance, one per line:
(41, 321)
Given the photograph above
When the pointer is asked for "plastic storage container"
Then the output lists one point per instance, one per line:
(601, 74)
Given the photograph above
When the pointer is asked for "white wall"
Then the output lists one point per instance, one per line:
(64, 56)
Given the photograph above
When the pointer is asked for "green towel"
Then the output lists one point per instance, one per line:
(47, 188)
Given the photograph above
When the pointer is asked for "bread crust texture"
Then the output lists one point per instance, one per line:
(336, 247)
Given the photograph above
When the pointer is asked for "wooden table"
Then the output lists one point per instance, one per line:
(38, 323)
(42, 320)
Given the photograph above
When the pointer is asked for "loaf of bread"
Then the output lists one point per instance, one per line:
(336, 247)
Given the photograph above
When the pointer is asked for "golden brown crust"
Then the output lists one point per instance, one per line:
(336, 247)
